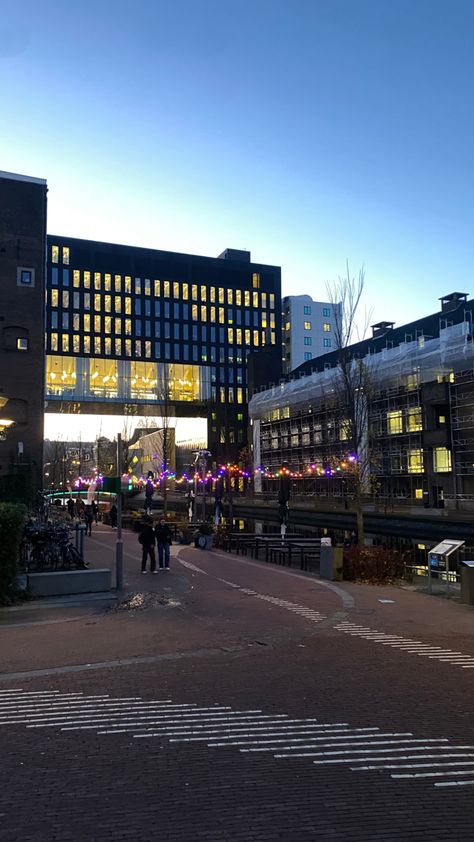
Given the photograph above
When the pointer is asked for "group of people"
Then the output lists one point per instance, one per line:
(89, 512)
(149, 537)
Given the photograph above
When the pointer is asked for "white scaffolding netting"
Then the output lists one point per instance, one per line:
(423, 358)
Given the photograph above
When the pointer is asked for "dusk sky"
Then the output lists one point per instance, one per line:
(310, 133)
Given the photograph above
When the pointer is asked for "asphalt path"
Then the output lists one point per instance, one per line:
(230, 699)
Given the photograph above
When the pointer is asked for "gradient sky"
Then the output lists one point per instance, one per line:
(310, 132)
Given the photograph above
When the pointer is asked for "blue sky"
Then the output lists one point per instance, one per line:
(310, 133)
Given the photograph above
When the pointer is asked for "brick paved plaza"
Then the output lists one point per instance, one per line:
(233, 700)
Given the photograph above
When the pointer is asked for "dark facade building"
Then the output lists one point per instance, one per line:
(22, 290)
(139, 331)
(417, 405)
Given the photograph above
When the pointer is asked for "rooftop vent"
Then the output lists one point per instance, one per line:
(451, 301)
(381, 328)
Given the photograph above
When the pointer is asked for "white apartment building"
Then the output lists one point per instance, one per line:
(308, 329)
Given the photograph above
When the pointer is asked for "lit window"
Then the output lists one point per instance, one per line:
(327, 343)
(118, 283)
(87, 280)
(87, 323)
(128, 283)
(263, 320)
(230, 296)
(394, 422)
(128, 327)
(203, 293)
(264, 299)
(166, 289)
(66, 255)
(272, 301)
(419, 495)
(194, 292)
(238, 297)
(247, 298)
(65, 299)
(415, 461)
(128, 347)
(118, 347)
(65, 342)
(107, 303)
(107, 282)
(97, 324)
(97, 345)
(54, 254)
(247, 337)
(412, 381)
(441, 419)
(128, 306)
(76, 343)
(256, 337)
(107, 324)
(221, 295)
(240, 395)
(54, 341)
(147, 286)
(97, 303)
(307, 340)
(203, 313)
(212, 294)
(76, 278)
(221, 316)
(255, 299)
(326, 327)
(239, 335)
(22, 344)
(138, 286)
(118, 304)
(157, 288)
(256, 280)
(87, 344)
(76, 322)
(96, 280)
(108, 346)
(307, 310)
(441, 460)
(54, 298)
(414, 422)
(118, 326)
(194, 312)
(307, 325)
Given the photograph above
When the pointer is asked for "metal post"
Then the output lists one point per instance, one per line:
(119, 542)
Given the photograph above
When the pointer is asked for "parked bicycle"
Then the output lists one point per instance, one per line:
(49, 546)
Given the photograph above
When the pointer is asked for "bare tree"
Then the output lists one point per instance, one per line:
(351, 383)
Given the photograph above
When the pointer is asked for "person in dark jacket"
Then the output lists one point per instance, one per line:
(147, 540)
(164, 538)
(88, 517)
(113, 516)
(71, 508)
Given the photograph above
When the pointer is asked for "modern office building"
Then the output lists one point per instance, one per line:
(144, 332)
(308, 329)
(22, 290)
(417, 405)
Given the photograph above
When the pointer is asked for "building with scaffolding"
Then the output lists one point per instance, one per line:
(418, 405)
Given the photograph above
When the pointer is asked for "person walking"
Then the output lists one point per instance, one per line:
(113, 516)
(147, 539)
(71, 507)
(164, 538)
(88, 517)
(95, 511)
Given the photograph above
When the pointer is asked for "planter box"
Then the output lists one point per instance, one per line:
(204, 542)
(64, 582)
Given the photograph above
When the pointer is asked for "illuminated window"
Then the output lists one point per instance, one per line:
(221, 316)
(166, 289)
(107, 324)
(418, 494)
(107, 282)
(247, 337)
(66, 255)
(65, 343)
(176, 289)
(394, 422)
(128, 347)
(230, 296)
(87, 280)
(263, 320)
(238, 297)
(118, 326)
(97, 324)
(118, 283)
(87, 323)
(128, 306)
(194, 312)
(273, 338)
(256, 338)
(414, 422)
(147, 286)
(212, 294)
(76, 343)
(413, 381)
(76, 322)
(222, 394)
(255, 299)
(118, 347)
(230, 335)
(97, 303)
(441, 460)
(97, 345)
(54, 298)
(415, 461)
(65, 299)
(256, 280)
(326, 327)
(212, 314)
(148, 349)
(118, 304)
(138, 286)
(55, 254)
(272, 301)
(76, 277)
(185, 292)
(239, 336)
(87, 344)
(108, 346)
(240, 395)
(107, 303)
(54, 341)
(247, 298)
(264, 299)
(128, 327)
(22, 344)
(96, 280)
(307, 326)
(203, 313)
(441, 419)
